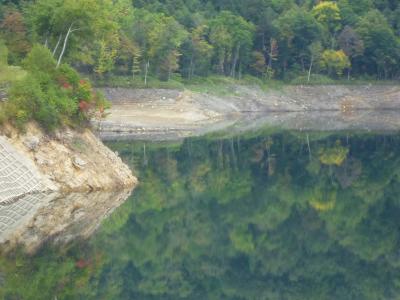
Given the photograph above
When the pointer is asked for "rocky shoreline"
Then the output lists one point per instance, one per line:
(154, 114)
(66, 161)
(56, 187)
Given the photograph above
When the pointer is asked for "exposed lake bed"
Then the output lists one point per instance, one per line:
(172, 114)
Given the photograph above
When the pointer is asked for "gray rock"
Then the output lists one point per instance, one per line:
(32, 142)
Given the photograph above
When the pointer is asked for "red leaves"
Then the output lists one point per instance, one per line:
(84, 106)
(66, 86)
(63, 82)
(82, 263)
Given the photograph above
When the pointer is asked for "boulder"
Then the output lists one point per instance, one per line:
(79, 163)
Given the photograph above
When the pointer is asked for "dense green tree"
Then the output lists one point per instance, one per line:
(200, 51)
(351, 43)
(198, 37)
(297, 30)
(232, 38)
(381, 45)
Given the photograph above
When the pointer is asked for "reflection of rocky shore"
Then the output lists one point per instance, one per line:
(38, 218)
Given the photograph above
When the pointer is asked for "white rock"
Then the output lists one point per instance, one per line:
(79, 163)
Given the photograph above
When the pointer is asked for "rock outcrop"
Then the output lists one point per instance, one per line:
(68, 160)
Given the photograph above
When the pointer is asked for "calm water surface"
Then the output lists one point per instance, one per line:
(285, 215)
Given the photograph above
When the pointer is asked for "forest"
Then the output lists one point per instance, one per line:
(51, 50)
(187, 39)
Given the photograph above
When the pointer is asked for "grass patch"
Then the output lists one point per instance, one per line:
(226, 86)
(318, 79)
(214, 84)
(11, 74)
(138, 83)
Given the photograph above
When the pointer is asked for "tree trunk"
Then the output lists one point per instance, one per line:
(221, 64)
(58, 44)
(310, 69)
(193, 70)
(133, 68)
(146, 72)
(64, 45)
(235, 60)
(190, 68)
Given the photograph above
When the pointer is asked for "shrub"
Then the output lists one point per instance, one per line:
(314, 79)
(52, 96)
(39, 59)
(68, 75)
(3, 54)
(3, 115)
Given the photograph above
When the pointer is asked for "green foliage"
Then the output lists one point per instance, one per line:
(11, 74)
(230, 35)
(3, 54)
(13, 32)
(334, 62)
(297, 29)
(382, 47)
(328, 14)
(163, 39)
(51, 96)
(40, 60)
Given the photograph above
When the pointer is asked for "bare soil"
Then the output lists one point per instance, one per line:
(172, 114)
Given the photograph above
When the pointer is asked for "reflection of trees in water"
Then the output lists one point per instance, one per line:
(255, 219)
(269, 219)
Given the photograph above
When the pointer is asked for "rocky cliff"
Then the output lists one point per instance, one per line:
(66, 161)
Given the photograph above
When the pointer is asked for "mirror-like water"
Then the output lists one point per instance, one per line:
(284, 215)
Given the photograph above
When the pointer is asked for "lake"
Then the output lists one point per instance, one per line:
(266, 214)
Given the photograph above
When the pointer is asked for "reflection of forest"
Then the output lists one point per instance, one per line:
(282, 216)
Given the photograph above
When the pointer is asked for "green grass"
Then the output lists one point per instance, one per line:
(138, 83)
(227, 86)
(214, 84)
(318, 79)
(10, 74)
